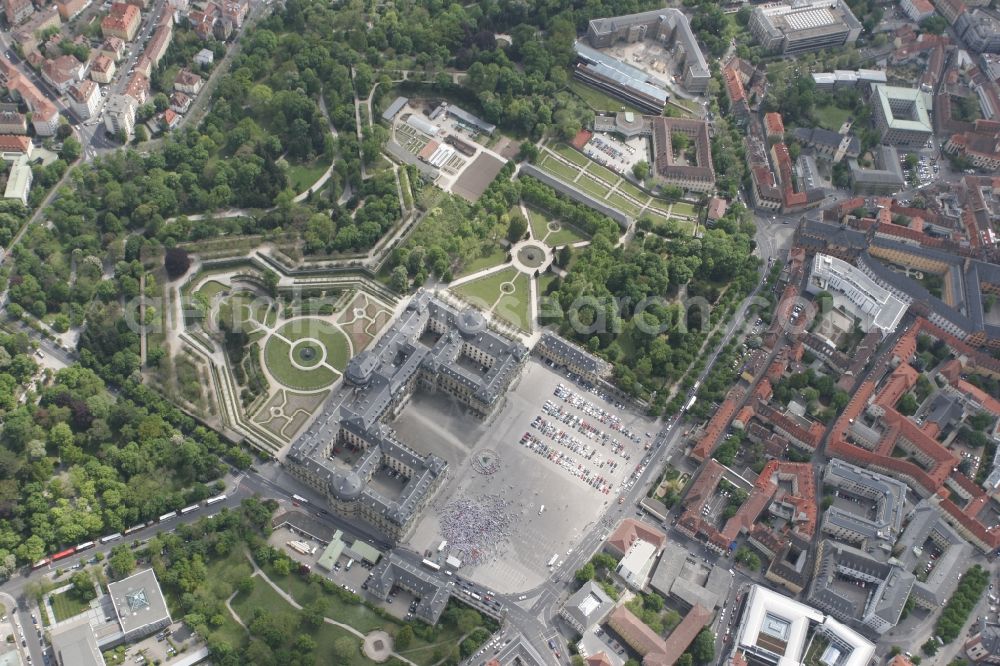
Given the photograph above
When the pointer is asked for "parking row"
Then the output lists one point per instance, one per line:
(567, 462)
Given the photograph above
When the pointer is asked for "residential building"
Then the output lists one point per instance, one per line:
(691, 169)
(981, 145)
(44, 116)
(114, 48)
(170, 119)
(917, 10)
(901, 116)
(12, 121)
(27, 34)
(774, 127)
(119, 114)
(984, 644)
(188, 82)
(180, 102)
(950, 9)
(62, 72)
(18, 11)
(137, 88)
(160, 41)
(122, 22)
(884, 177)
(716, 209)
(587, 607)
(980, 29)
(804, 25)
(831, 145)
(775, 629)
(377, 383)
(102, 69)
(19, 180)
(668, 26)
(205, 57)
(13, 146)
(70, 9)
(144, 66)
(235, 11)
(838, 570)
(84, 99)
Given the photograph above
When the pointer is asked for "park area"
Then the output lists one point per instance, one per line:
(506, 293)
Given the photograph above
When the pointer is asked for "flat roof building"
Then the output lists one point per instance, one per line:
(980, 29)
(139, 604)
(669, 26)
(682, 576)
(887, 494)
(75, 645)
(775, 629)
(804, 25)
(927, 524)
(833, 588)
(394, 108)
(587, 607)
(884, 177)
(619, 79)
(871, 303)
(901, 115)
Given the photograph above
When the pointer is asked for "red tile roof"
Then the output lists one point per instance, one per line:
(774, 125)
(631, 530)
(11, 144)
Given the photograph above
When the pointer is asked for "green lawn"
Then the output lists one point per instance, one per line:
(278, 361)
(222, 576)
(544, 280)
(592, 186)
(263, 596)
(516, 307)
(302, 176)
(363, 618)
(559, 169)
(607, 175)
(66, 605)
(495, 258)
(539, 223)
(629, 188)
(571, 154)
(597, 100)
(831, 117)
(210, 289)
(338, 351)
(683, 208)
(623, 204)
(566, 234)
(486, 290)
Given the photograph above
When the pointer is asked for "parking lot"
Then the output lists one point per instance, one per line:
(579, 455)
(619, 156)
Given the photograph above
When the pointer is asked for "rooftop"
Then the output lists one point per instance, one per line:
(139, 601)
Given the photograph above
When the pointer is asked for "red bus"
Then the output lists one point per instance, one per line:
(62, 554)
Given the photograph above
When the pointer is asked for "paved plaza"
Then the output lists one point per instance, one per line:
(488, 459)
